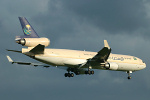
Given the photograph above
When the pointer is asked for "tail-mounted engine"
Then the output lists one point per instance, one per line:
(32, 42)
(111, 66)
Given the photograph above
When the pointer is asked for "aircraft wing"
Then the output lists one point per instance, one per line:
(103, 54)
(82, 71)
(100, 57)
(26, 63)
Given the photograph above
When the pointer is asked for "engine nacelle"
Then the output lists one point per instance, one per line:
(111, 66)
(32, 42)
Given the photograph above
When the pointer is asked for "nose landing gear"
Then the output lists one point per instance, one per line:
(129, 76)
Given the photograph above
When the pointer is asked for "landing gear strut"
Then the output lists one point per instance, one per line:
(129, 72)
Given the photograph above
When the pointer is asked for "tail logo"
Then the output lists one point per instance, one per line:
(27, 30)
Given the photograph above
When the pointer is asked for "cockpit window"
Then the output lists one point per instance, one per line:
(134, 58)
(143, 61)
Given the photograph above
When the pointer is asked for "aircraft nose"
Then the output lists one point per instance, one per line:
(144, 65)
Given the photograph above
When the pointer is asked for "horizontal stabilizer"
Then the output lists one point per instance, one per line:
(39, 49)
(14, 51)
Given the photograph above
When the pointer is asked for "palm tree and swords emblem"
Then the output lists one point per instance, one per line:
(27, 30)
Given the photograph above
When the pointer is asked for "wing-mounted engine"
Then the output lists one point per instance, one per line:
(32, 42)
(111, 66)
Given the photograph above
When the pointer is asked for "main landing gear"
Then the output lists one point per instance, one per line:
(78, 72)
(129, 76)
(69, 75)
(89, 72)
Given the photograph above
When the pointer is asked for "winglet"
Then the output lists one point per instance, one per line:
(106, 44)
(9, 59)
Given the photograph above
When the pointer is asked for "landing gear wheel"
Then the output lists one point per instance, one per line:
(89, 72)
(129, 77)
(69, 75)
(72, 75)
(77, 73)
(86, 72)
(66, 75)
(92, 72)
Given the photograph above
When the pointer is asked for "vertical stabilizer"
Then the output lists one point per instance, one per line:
(28, 30)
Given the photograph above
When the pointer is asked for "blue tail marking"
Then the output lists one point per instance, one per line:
(28, 30)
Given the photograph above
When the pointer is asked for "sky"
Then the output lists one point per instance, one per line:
(79, 25)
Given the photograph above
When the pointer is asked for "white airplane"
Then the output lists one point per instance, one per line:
(74, 61)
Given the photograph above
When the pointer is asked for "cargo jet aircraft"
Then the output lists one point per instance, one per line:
(74, 61)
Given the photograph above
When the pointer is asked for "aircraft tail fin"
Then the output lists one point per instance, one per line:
(28, 30)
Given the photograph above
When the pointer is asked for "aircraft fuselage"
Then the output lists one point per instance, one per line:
(72, 58)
